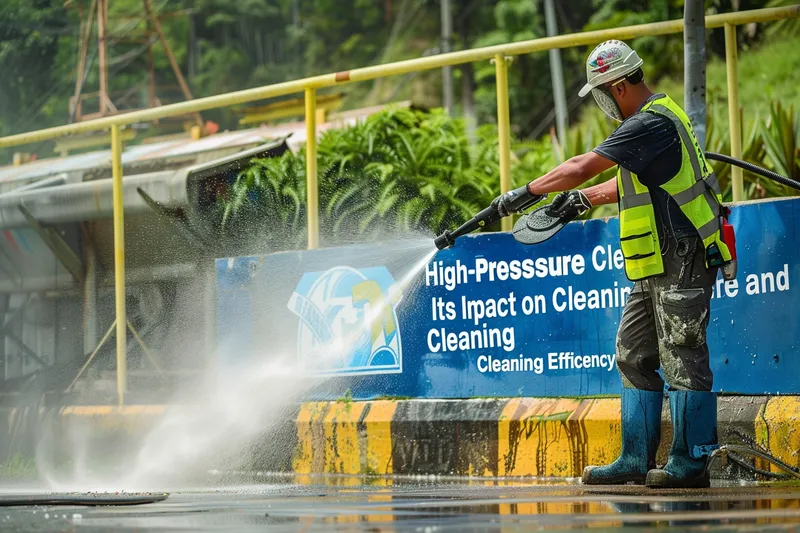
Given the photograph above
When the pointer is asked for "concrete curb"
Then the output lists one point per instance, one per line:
(514, 437)
(540, 437)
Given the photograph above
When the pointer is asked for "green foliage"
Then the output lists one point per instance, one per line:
(403, 171)
(267, 200)
(786, 28)
(400, 171)
(529, 82)
(346, 398)
(31, 35)
(780, 134)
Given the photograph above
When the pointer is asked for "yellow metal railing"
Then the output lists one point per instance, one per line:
(309, 86)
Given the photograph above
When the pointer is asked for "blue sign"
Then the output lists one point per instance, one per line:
(492, 317)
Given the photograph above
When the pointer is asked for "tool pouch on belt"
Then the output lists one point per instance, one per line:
(683, 316)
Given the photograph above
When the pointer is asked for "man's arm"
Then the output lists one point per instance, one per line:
(603, 193)
(571, 173)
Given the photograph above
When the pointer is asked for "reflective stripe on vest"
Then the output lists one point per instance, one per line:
(629, 197)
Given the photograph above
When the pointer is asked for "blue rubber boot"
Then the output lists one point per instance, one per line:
(694, 422)
(641, 433)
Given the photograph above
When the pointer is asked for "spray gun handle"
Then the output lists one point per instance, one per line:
(531, 202)
(485, 217)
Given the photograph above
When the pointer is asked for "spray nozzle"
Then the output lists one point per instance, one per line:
(445, 240)
(484, 218)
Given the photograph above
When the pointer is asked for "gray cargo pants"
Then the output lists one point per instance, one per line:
(664, 323)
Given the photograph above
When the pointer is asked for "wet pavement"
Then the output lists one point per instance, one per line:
(304, 504)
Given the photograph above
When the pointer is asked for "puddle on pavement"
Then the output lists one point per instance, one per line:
(320, 503)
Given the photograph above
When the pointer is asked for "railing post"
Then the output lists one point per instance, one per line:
(312, 190)
(119, 262)
(503, 130)
(734, 119)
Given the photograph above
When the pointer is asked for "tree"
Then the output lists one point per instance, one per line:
(33, 37)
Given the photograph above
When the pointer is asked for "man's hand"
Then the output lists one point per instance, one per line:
(515, 201)
(569, 204)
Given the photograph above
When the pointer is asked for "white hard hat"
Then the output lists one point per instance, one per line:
(609, 61)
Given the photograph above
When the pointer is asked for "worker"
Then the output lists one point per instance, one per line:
(670, 219)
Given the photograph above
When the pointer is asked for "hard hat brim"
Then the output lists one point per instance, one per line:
(585, 90)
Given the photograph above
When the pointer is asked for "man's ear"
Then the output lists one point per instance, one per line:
(620, 87)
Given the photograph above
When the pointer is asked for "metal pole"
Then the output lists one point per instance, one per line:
(90, 296)
(694, 67)
(503, 130)
(119, 263)
(734, 119)
(5, 299)
(447, 70)
(557, 75)
(102, 20)
(311, 168)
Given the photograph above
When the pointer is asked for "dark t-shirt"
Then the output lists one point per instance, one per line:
(648, 145)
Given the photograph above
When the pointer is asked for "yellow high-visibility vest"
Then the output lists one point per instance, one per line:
(694, 188)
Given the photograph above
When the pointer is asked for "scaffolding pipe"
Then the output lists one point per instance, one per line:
(447, 70)
(311, 168)
(503, 130)
(557, 75)
(119, 263)
(89, 295)
(734, 118)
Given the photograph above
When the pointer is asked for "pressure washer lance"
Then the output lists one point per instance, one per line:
(484, 218)
(488, 216)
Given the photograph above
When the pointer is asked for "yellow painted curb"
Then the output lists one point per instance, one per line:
(377, 444)
(776, 430)
(340, 427)
(344, 438)
(535, 437)
(307, 445)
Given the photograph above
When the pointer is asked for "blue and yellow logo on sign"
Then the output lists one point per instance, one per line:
(348, 323)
